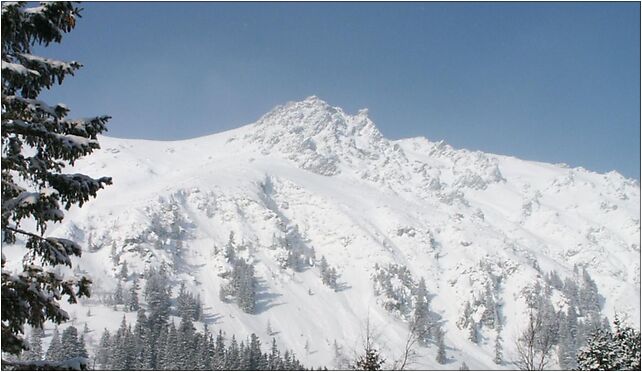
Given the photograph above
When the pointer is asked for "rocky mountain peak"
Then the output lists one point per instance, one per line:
(316, 135)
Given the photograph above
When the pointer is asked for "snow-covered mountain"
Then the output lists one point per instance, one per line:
(312, 176)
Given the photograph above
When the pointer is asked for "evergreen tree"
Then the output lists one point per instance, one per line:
(157, 293)
(329, 274)
(242, 286)
(204, 353)
(118, 294)
(183, 303)
(230, 253)
(132, 300)
(606, 350)
(464, 367)
(274, 358)
(129, 347)
(102, 352)
(185, 342)
(219, 359)
(38, 141)
(69, 342)
(567, 349)
(489, 316)
(323, 266)
(82, 348)
(124, 272)
(171, 348)
(421, 321)
(232, 356)
(55, 352)
(589, 298)
(158, 347)
(370, 361)
(254, 351)
(117, 349)
(142, 342)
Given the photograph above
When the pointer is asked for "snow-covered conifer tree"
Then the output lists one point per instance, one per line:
(102, 351)
(118, 294)
(55, 353)
(421, 322)
(132, 300)
(38, 140)
(185, 342)
(218, 362)
(232, 356)
(82, 347)
(606, 350)
(124, 272)
(230, 251)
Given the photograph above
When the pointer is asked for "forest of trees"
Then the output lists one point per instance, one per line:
(144, 346)
(156, 342)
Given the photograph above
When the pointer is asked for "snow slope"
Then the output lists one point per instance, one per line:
(332, 182)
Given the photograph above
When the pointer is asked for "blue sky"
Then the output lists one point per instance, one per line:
(554, 82)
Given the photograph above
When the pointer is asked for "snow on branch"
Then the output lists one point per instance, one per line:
(77, 188)
(47, 63)
(74, 364)
(18, 69)
(36, 106)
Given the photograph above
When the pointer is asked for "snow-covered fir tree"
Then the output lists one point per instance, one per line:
(187, 304)
(606, 350)
(422, 324)
(329, 274)
(55, 352)
(133, 303)
(102, 351)
(70, 343)
(124, 272)
(242, 286)
(118, 297)
(38, 140)
(371, 360)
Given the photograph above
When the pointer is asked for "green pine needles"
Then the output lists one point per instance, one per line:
(38, 141)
